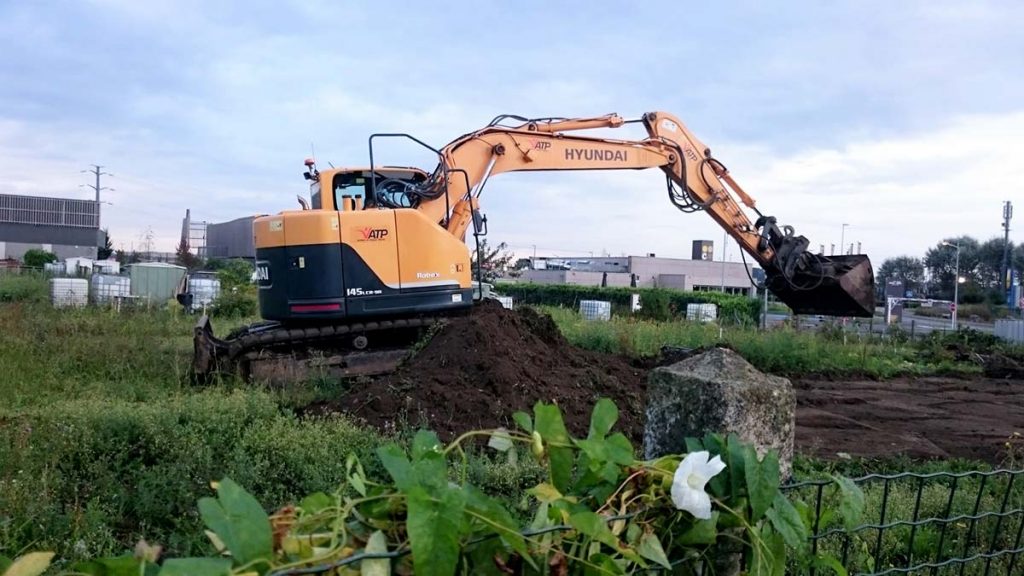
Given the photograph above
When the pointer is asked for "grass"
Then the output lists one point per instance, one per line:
(103, 440)
(780, 351)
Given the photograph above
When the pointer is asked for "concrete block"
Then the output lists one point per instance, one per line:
(719, 391)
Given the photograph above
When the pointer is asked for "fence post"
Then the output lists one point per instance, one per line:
(912, 327)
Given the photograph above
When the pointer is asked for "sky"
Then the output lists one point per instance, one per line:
(903, 120)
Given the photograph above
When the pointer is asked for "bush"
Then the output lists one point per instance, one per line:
(236, 302)
(35, 258)
(88, 477)
(231, 273)
(731, 309)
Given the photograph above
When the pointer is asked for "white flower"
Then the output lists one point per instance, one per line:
(688, 483)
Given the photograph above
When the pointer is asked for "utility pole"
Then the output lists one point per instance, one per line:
(97, 171)
(1007, 215)
(842, 236)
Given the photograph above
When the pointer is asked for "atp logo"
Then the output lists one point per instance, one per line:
(533, 144)
(370, 234)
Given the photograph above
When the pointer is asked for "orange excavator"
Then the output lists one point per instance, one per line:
(348, 282)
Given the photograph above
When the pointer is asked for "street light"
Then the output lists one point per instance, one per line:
(956, 283)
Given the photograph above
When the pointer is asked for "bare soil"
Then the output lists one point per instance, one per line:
(478, 370)
(917, 417)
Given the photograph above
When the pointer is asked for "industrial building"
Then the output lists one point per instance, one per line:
(68, 227)
(232, 239)
(700, 273)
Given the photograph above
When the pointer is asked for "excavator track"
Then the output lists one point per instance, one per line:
(278, 354)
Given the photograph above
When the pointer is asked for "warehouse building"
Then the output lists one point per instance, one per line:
(68, 227)
(699, 273)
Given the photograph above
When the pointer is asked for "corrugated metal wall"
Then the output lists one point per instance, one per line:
(49, 211)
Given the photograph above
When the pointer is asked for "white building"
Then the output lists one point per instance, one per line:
(646, 272)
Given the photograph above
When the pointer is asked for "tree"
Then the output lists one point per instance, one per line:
(184, 257)
(495, 261)
(941, 261)
(990, 262)
(908, 269)
(107, 250)
(36, 258)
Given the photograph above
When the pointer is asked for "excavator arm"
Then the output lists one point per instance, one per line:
(696, 181)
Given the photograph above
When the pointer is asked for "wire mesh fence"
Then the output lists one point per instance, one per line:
(942, 523)
(936, 524)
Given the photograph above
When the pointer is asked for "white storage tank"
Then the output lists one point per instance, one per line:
(596, 309)
(506, 301)
(701, 312)
(204, 290)
(107, 288)
(109, 267)
(55, 268)
(66, 292)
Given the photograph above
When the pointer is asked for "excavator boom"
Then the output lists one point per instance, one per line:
(696, 181)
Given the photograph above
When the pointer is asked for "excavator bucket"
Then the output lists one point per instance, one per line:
(832, 286)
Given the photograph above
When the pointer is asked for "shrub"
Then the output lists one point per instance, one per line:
(35, 258)
(87, 477)
(236, 302)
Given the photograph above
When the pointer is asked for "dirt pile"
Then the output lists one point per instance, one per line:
(478, 370)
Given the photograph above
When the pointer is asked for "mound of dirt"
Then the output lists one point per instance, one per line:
(476, 371)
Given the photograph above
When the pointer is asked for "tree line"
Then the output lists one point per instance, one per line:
(981, 266)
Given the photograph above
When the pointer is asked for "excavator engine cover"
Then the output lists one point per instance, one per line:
(829, 286)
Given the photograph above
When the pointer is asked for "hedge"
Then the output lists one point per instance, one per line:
(731, 308)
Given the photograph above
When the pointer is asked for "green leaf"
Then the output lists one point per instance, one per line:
(702, 532)
(434, 528)
(830, 562)
(120, 566)
(735, 469)
(425, 442)
(377, 544)
(595, 526)
(5, 563)
(619, 449)
(552, 429)
(397, 464)
(762, 480)
(650, 548)
(602, 565)
(524, 421)
(196, 567)
(603, 418)
(316, 502)
(497, 520)
(31, 564)
(693, 444)
(851, 504)
(786, 520)
(240, 522)
(768, 553)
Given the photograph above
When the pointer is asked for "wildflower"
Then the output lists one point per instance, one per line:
(691, 476)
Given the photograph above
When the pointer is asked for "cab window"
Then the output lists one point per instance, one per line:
(314, 195)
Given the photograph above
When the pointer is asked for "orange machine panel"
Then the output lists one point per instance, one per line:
(429, 255)
(373, 236)
(296, 228)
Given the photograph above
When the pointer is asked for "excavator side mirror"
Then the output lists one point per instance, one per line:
(479, 223)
